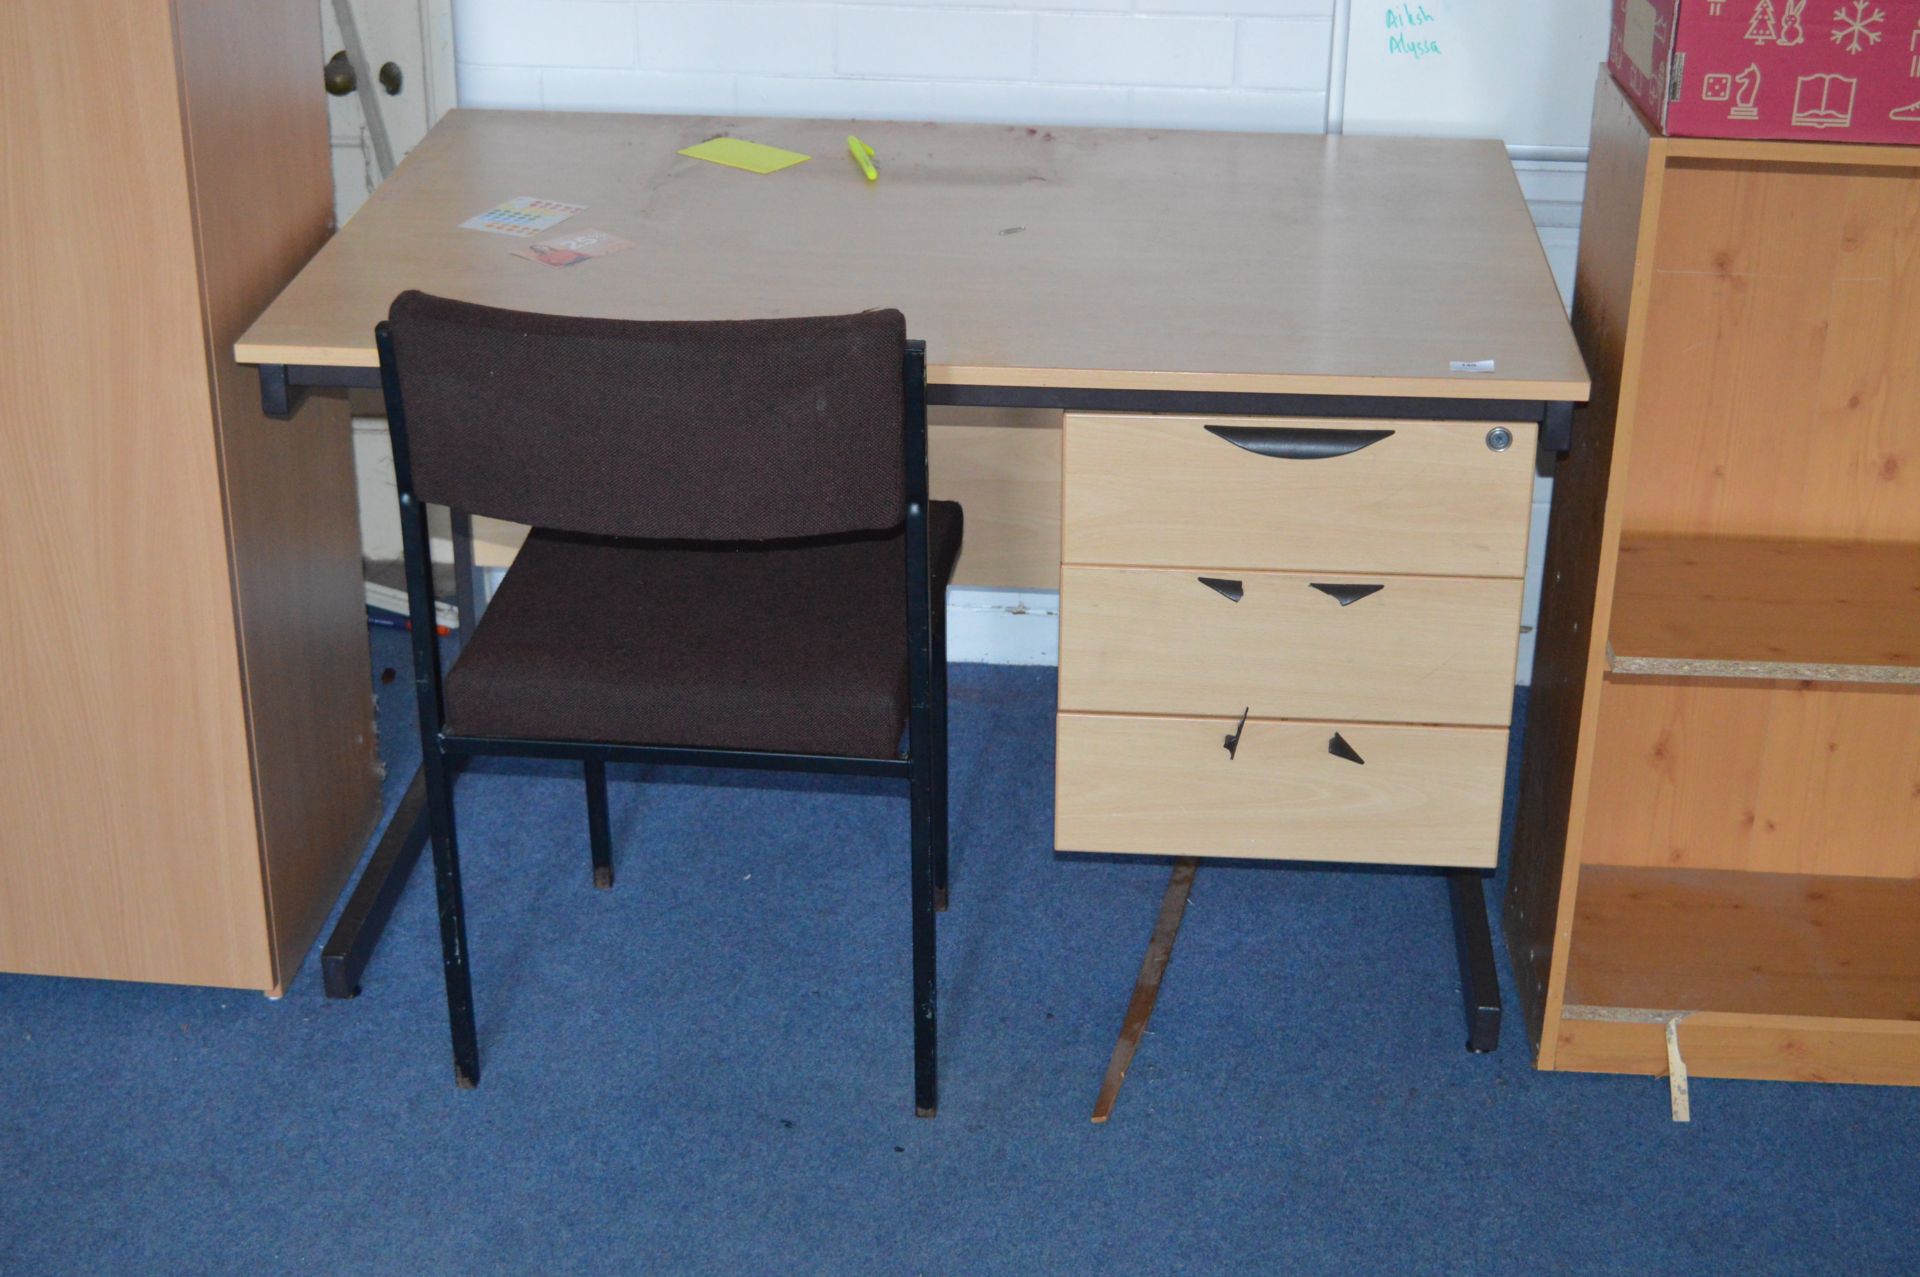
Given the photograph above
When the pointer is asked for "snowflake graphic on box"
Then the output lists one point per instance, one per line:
(1858, 28)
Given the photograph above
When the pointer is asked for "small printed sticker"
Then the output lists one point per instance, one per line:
(1471, 365)
(523, 215)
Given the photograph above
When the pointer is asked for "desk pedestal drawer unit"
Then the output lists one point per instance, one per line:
(1318, 665)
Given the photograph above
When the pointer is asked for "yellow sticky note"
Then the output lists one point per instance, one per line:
(755, 157)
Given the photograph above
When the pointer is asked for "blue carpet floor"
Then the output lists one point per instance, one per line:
(707, 1070)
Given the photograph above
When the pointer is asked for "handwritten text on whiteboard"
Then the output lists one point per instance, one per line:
(1404, 35)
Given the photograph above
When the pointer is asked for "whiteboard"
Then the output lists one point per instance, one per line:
(1518, 70)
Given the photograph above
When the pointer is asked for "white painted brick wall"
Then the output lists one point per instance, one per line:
(1223, 64)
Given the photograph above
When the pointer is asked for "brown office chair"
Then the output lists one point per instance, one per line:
(734, 563)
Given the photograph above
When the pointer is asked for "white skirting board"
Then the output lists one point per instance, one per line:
(998, 627)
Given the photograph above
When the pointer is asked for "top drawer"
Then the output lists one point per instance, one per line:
(1416, 497)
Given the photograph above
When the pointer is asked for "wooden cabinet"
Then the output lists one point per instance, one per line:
(1720, 811)
(189, 759)
(1289, 639)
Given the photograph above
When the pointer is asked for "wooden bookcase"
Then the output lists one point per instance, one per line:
(1720, 807)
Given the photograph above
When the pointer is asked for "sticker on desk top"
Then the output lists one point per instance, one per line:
(573, 248)
(1471, 365)
(523, 215)
(755, 157)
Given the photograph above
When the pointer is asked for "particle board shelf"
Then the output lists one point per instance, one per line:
(1767, 608)
(1673, 941)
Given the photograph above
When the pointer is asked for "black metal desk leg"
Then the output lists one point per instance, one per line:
(350, 946)
(1473, 940)
(468, 595)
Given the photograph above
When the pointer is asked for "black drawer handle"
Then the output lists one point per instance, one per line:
(1231, 590)
(1346, 595)
(1233, 741)
(1339, 748)
(1298, 443)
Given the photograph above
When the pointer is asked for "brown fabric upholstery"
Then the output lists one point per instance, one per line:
(795, 647)
(718, 431)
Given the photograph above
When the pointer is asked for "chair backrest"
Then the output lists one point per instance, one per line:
(736, 430)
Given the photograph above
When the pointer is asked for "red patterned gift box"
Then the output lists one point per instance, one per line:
(1802, 70)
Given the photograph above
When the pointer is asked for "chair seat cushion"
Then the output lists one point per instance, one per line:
(797, 647)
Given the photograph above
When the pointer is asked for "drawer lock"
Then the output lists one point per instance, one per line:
(1499, 439)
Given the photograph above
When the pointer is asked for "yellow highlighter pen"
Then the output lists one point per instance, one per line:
(863, 156)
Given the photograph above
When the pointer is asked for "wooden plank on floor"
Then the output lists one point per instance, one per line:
(1146, 990)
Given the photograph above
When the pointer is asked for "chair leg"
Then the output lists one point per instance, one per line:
(925, 1035)
(453, 922)
(938, 736)
(599, 830)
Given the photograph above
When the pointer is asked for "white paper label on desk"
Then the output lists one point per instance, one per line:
(1472, 365)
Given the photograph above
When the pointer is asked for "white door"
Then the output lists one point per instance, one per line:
(389, 75)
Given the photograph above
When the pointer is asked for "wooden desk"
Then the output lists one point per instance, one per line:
(1048, 269)
(1050, 259)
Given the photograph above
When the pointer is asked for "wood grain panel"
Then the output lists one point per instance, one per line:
(130, 849)
(1167, 786)
(1761, 1047)
(1060, 256)
(1774, 777)
(1609, 315)
(1003, 467)
(1430, 498)
(263, 197)
(1418, 650)
(1782, 397)
(1752, 943)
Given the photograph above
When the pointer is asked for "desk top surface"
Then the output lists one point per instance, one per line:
(1058, 257)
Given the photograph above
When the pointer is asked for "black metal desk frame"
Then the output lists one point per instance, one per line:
(344, 958)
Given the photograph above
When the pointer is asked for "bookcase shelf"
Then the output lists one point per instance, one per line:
(1768, 608)
(1679, 941)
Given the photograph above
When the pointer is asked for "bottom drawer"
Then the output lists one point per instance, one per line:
(1167, 786)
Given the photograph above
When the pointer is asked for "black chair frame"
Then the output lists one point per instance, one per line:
(924, 766)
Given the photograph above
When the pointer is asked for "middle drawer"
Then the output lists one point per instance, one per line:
(1297, 645)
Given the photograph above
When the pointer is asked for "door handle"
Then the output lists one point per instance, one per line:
(1346, 595)
(339, 76)
(341, 79)
(1298, 443)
